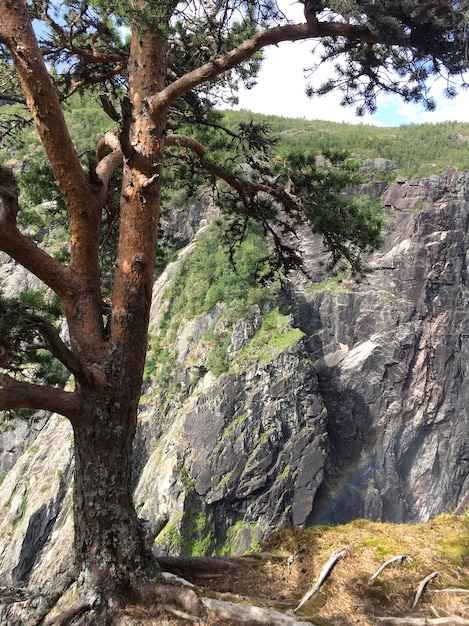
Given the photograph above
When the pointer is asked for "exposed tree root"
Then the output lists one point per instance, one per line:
(184, 565)
(173, 598)
(77, 609)
(323, 575)
(396, 559)
(186, 598)
(422, 587)
(253, 615)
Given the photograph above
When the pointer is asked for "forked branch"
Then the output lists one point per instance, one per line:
(61, 352)
(107, 164)
(89, 55)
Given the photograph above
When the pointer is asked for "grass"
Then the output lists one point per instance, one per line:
(274, 336)
(281, 571)
(439, 545)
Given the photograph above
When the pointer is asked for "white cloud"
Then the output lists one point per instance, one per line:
(281, 91)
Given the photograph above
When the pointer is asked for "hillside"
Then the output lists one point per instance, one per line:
(415, 150)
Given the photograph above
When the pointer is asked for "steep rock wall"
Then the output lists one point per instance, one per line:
(392, 360)
(246, 452)
(364, 415)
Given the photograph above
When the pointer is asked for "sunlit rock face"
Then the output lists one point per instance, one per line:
(362, 414)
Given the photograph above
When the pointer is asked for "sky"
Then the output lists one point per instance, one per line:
(280, 90)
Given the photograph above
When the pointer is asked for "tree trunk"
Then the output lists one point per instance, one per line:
(109, 545)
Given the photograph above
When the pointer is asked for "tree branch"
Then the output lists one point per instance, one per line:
(56, 276)
(15, 394)
(77, 85)
(239, 184)
(261, 39)
(44, 104)
(57, 347)
(245, 189)
(19, 247)
(82, 199)
(10, 97)
(108, 163)
(93, 56)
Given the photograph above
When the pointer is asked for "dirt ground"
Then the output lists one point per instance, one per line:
(291, 562)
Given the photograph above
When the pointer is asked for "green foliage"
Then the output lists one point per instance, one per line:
(170, 534)
(415, 150)
(86, 122)
(437, 36)
(196, 532)
(217, 357)
(275, 335)
(208, 276)
(43, 211)
(21, 340)
(350, 226)
(265, 151)
(205, 277)
(235, 538)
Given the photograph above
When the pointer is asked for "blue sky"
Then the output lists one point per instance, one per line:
(281, 85)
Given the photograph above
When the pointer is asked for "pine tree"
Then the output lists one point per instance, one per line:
(160, 86)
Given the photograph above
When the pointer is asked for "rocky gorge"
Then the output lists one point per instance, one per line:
(342, 401)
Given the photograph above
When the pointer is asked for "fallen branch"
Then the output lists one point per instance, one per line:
(449, 590)
(251, 615)
(451, 620)
(326, 570)
(396, 559)
(422, 587)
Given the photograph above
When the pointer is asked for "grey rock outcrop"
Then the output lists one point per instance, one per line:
(363, 414)
(247, 452)
(36, 526)
(15, 436)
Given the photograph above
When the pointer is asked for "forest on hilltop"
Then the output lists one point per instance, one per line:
(416, 150)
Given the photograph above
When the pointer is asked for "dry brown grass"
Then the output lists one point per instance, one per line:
(291, 561)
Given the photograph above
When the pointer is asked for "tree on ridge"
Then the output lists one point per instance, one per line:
(160, 89)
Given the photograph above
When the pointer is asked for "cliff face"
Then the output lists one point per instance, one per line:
(355, 405)
(392, 361)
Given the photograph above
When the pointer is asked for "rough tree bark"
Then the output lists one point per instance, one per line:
(108, 537)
